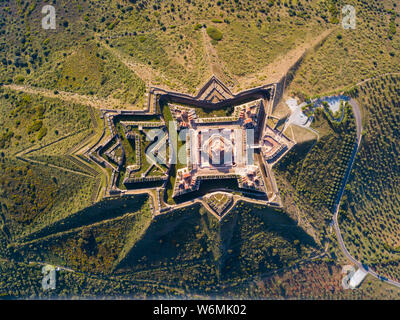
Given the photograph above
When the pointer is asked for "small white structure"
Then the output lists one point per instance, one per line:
(357, 278)
(297, 116)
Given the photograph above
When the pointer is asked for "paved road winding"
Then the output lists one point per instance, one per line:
(357, 114)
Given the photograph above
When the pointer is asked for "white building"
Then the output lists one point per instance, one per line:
(357, 278)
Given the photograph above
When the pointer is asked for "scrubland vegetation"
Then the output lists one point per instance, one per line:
(97, 246)
(350, 56)
(89, 69)
(314, 280)
(190, 249)
(33, 196)
(33, 121)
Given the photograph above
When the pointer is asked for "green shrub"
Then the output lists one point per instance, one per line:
(35, 126)
(42, 133)
(214, 33)
(197, 26)
(19, 79)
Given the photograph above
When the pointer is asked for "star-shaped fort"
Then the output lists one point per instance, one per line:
(214, 148)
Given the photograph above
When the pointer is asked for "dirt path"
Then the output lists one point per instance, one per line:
(147, 73)
(94, 102)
